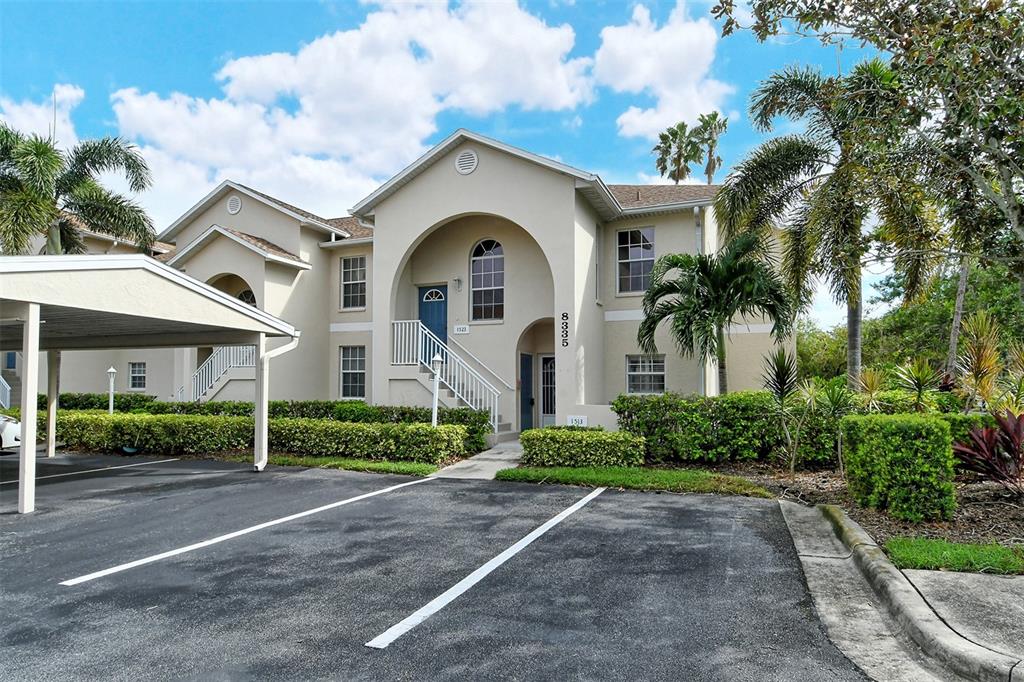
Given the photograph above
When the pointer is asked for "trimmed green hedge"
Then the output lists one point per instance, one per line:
(561, 447)
(201, 434)
(902, 463)
(962, 424)
(477, 423)
(686, 428)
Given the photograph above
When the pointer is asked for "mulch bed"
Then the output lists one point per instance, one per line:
(985, 513)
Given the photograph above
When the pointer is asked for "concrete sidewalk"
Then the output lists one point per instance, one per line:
(907, 625)
(485, 465)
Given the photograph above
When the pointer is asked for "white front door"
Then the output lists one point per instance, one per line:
(547, 390)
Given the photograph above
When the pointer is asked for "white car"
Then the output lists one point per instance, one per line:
(10, 432)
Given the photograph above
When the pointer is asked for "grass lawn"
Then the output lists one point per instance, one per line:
(371, 465)
(954, 556)
(673, 480)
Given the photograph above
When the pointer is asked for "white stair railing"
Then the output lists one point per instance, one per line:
(5, 393)
(219, 362)
(414, 344)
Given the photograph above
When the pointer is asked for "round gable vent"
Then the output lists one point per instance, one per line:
(234, 204)
(465, 162)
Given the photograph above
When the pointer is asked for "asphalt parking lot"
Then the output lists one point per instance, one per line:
(205, 570)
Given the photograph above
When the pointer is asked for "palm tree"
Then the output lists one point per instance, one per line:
(710, 128)
(44, 191)
(702, 294)
(677, 148)
(819, 187)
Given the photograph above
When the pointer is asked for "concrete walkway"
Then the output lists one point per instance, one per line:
(484, 466)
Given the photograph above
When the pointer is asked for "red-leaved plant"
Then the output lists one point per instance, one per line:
(997, 453)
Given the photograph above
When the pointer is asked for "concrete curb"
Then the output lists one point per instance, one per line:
(913, 614)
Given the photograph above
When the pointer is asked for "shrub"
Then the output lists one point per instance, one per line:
(997, 453)
(477, 423)
(573, 427)
(961, 425)
(561, 447)
(176, 434)
(681, 428)
(902, 463)
(327, 438)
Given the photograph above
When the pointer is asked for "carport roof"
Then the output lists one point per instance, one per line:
(124, 301)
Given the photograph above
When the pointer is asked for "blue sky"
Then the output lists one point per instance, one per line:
(317, 102)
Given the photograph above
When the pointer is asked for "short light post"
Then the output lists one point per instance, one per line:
(110, 397)
(435, 365)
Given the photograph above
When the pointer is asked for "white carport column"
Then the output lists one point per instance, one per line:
(29, 391)
(52, 381)
(261, 401)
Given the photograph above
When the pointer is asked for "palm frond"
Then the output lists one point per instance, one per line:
(23, 215)
(104, 211)
(794, 92)
(37, 163)
(105, 155)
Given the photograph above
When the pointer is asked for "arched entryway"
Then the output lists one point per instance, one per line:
(236, 287)
(535, 377)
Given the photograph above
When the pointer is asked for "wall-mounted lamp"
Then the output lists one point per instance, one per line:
(458, 283)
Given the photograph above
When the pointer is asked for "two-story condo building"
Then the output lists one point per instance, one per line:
(523, 275)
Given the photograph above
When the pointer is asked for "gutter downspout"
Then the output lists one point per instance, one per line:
(260, 444)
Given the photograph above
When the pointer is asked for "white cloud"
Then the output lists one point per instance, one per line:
(321, 126)
(670, 63)
(39, 117)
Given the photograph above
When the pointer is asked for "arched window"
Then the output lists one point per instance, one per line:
(487, 268)
(433, 295)
(247, 296)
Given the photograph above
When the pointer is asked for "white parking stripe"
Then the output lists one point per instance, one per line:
(237, 533)
(395, 631)
(91, 471)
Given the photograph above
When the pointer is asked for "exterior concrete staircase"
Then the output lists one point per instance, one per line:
(449, 397)
(10, 389)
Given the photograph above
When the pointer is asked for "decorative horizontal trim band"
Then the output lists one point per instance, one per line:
(623, 315)
(351, 326)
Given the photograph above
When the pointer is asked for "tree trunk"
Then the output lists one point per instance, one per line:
(958, 312)
(53, 245)
(723, 379)
(854, 314)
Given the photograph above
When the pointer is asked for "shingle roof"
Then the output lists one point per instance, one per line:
(269, 247)
(351, 225)
(643, 196)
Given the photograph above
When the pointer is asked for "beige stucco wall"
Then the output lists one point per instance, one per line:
(255, 218)
(538, 201)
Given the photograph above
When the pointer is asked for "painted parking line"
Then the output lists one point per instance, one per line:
(235, 534)
(382, 640)
(92, 471)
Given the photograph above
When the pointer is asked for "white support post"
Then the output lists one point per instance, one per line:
(29, 391)
(262, 397)
(52, 381)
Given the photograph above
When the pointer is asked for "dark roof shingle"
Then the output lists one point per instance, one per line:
(644, 196)
(269, 247)
(346, 223)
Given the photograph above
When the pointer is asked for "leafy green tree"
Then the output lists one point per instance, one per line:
(44, 191)
(710, 127)
(960, 71)
(677, 148)
(700, 295)
(818, 188)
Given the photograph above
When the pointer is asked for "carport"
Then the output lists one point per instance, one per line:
(56, 303)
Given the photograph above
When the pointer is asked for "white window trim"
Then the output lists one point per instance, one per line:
(664, 373)
(342, 283)
(341, 372)
(654, 242)
(490, 320)
(144, 375)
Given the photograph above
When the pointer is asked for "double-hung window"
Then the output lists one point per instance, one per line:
(645, 374)
(353, 282)
(353, 371)
(137, 376)
(487, 269)
(636, 259)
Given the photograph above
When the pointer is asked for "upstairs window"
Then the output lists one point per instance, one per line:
(487, 268)
(636, 259)
(353, 282)
(247, 297)
(137, 376)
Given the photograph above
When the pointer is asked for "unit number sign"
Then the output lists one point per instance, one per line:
(564, 334)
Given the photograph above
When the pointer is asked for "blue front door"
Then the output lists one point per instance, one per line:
(434, 310)
(525, 391)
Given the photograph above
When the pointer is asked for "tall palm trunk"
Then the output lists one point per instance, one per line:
(723, 375)
(53, 247)
(854, 317)
(958, 312)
